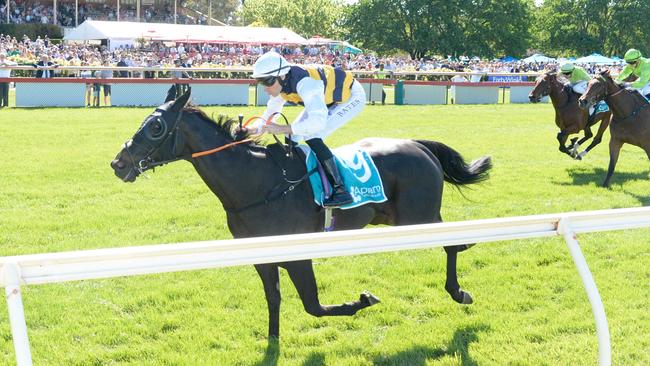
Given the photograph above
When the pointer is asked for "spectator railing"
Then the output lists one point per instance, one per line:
(146, 86)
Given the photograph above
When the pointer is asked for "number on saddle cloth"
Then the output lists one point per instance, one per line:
(360, 176)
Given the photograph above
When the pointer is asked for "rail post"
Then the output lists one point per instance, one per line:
(11, 273)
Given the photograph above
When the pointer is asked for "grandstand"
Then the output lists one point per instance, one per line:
(73, 13)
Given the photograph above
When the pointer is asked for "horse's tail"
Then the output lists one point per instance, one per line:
(456, 170)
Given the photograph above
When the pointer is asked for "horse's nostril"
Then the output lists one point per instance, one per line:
(117, 164)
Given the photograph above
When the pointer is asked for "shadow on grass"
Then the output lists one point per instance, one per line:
(587, 175)
(272, 353)
(421, 355)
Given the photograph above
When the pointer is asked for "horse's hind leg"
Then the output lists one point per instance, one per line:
(302, 276)
(451, 285)
(271, 281)
(614, 150)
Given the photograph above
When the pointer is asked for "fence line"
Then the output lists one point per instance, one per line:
(130, 261)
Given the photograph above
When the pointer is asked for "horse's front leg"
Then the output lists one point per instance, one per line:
(302, 276)
(561, 138)
(451, 285)
(604, 123)
(271, 281)
(614, 150)
(575, 148)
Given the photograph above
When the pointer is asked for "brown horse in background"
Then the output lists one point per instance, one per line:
(631, 121)
(569, 117)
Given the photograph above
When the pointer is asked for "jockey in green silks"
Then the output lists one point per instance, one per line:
(638, 66)
(578, 77)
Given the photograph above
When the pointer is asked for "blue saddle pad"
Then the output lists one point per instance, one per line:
(601, 107)
(358, 171)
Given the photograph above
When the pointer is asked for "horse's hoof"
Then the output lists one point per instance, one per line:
(368, 298)
(467, 298)
(462, 297)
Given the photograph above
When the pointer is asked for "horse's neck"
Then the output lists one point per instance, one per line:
(234, 174)
(558, 96)
(623, 103)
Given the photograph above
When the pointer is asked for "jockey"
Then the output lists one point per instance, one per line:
(636, 66)
(331, 98)
(578, 77)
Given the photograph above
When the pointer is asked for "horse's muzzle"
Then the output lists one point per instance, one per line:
(534, 99)
(123, 171)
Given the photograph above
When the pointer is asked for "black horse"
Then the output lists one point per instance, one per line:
(266, 193)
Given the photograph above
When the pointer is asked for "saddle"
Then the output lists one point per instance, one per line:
(359, 173)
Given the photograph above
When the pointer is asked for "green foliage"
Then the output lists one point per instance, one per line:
(58, 193)
(424, 27)
(580, 27)
(305, 17)
(32, 30)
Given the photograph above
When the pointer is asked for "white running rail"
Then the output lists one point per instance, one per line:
(130, 261)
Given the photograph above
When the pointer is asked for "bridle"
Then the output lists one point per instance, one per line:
(550, 83)
(621, 89)
(147, 162)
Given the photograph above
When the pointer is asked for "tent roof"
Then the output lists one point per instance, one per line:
(95, 30)
(596, 58)
(537, 58)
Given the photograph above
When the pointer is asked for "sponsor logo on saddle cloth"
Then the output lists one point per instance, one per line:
(358, 171)
(601, 107)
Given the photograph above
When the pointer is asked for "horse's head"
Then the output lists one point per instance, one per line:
(155, 142)
(597, 89)
(543, 85)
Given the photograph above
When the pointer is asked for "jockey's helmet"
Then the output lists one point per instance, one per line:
(270, 64)
(567, 68)
(632, 55)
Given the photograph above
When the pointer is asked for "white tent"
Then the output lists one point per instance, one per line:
(596, 58)
(130, 31)
(537, 58)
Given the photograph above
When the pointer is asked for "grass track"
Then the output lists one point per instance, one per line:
(58, 193)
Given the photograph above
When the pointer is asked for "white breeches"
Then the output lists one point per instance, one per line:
(580, 87)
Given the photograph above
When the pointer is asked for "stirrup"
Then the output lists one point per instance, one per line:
(340, 197)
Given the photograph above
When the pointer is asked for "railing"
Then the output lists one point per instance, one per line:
(107, 263)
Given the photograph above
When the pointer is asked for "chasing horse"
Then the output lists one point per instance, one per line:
(266, 192)
(631, 116)
(570, 118)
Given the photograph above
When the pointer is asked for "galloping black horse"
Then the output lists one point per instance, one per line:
(262, 195)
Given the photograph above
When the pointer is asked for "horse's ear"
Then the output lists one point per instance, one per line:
(171, 94)
(181, 102)
(606, 73)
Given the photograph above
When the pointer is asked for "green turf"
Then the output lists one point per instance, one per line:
(58, 193)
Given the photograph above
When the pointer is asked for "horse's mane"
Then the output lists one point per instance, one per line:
(225, 125)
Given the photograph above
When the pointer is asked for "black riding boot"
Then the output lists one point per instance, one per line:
(339, 196)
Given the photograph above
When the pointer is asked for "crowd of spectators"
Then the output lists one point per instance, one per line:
(21, 11)
(231, 56)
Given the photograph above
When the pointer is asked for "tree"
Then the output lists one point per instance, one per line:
(427, 27)
(305, 17)
(580, 27)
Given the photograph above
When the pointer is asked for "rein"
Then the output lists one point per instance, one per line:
(148, 163)
(636, 111)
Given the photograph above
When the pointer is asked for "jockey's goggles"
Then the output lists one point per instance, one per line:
(632, 62)
(267, 81)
